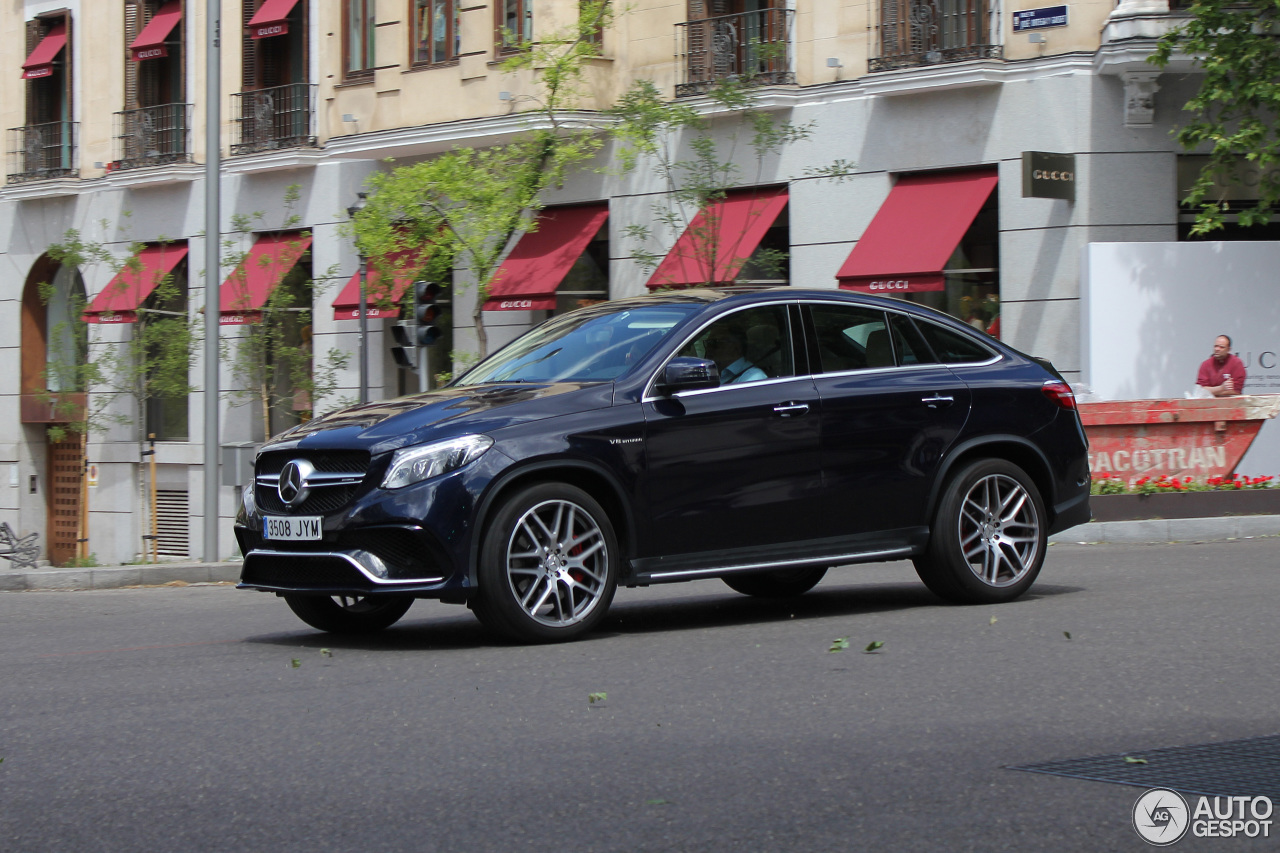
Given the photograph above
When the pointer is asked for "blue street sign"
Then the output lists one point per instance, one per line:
(1039, 19)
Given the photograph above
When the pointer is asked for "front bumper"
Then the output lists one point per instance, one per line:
(413, 540)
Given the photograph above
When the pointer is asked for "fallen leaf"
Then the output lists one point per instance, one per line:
(873, 647)
(593, 698)
(839, 644)
(326, 653)
(993, 621)
(1067, 634)
(295, 663)
(1129, 759)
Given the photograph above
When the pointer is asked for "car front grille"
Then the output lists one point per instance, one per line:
(324, 498)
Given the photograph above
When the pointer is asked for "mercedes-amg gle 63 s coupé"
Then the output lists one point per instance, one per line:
(758, 437)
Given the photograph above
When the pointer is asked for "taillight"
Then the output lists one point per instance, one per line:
(1060, 393)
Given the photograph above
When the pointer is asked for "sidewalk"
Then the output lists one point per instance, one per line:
(113, 577)
(1149, 531)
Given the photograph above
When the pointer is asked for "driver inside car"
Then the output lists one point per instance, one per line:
(726, 346)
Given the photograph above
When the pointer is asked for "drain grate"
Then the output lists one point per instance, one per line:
(1249, 767)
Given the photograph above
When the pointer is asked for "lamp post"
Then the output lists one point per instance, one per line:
(364, 307)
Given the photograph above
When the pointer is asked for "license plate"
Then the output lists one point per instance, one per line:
(294, 527)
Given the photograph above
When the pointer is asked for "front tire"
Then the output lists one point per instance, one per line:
(989, 535)
(349, 614)
(548, 565)
(781, 583)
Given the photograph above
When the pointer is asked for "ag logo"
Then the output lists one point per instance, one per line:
(1161, 817)
(294, 482)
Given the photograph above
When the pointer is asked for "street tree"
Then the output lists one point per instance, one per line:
(120, 378)
(271, 357)
(1234, 46)
(464, 207)
(701, 152)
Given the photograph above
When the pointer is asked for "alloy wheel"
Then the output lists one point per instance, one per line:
(557, 563)
(999, 530)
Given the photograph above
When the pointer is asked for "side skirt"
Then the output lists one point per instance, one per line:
(870, 548)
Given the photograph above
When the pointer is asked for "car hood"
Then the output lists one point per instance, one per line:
(418, 418)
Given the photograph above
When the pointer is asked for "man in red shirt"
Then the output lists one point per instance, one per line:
(1222, 373)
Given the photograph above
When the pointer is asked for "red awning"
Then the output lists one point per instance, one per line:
(737, 224)
(119, 300)
(40, 62)
(270, 19)
(528, 278)
(150, 42)
(906, 247)
(403, 266)
(249, 286)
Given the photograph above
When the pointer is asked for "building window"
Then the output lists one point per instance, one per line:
(744, 40)
(46, 146)
(275, 107)
(1235, 193)
(360, 22)
(596, 34)
(972, 274)
(154, 127)
(514, 24)
(166, 413)
(927, 32)
(435, 31)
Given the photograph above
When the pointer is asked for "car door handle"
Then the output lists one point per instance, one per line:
(791, 410)
(937, 401)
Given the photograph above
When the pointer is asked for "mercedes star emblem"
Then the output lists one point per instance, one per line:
(294, 482)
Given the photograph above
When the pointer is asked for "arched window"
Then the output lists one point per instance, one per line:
(54, 343)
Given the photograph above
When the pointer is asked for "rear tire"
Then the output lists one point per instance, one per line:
(780, 583)
(989, 535)
(349, 614)
(548, 565)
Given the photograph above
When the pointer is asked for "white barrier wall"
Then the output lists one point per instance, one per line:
(1150, 312)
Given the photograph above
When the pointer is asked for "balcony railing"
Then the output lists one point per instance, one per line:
(932, 32)
(153, 136)
(269, 119)
(751, 47)
(39, 152)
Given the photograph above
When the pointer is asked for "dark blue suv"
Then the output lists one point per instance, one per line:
(757, 437)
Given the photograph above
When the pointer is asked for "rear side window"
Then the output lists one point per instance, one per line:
(952, 347)
(911, 347)
(850, 337)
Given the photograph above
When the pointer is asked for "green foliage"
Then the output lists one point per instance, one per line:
(272, 360)
(154, 362)
(593, 698)
(873, 647)
(839, 644)
(463, 207)
(1234, 112)
(698, 156)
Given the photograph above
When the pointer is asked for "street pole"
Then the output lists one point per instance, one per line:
(212, 238)
(364, 330)
(352, 211)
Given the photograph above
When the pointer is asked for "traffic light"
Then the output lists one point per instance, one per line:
(422, 329)
(426, 312)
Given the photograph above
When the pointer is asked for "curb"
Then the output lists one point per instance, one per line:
(1145, 532)
(1162, 530)
(115, 577)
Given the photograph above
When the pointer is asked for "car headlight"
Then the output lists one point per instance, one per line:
(415, 464)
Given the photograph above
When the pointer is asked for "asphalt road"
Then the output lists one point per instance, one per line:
(210, 719)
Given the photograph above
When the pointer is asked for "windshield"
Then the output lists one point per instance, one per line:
(583, 346)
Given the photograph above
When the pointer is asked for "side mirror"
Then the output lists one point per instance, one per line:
(688, 374)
